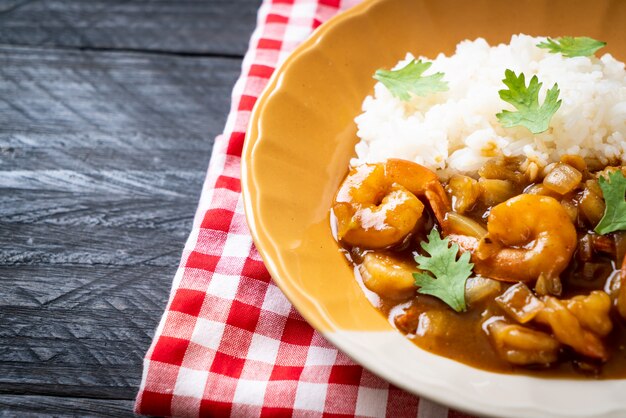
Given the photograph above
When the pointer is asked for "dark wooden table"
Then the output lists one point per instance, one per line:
(108, 110)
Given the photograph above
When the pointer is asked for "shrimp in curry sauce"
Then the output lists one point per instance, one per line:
(546, 294)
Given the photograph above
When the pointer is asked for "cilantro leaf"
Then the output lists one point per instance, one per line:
(450, 273)
(569, 46)
(409, 79)
(526, 100)
(613, 189)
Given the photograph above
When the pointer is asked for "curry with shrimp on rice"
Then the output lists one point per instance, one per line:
(485, 211)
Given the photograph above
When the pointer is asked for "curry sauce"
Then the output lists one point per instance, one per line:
(546, 296)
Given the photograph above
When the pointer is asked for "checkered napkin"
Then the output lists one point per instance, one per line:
(229, 342)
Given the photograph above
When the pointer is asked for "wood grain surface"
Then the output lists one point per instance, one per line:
(108, 110)
(27, 406)
(219, 27)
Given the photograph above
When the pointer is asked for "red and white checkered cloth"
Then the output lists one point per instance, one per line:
(229, 342)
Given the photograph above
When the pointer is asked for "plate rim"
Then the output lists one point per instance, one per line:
(337, 337)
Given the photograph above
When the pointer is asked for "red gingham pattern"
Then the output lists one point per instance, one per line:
(229, 342)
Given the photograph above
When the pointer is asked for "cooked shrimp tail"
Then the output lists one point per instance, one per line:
(527, 236)
(378, 205)
(423, 183)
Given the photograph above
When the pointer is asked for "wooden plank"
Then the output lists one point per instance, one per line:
(171, 216)
(199, 27)
(85, 158)
(140, 183)
(141, 173)
(130, 102)
(82, 204)
(141, 288)
(102, 158)
(78, 330)
(36, 406)
(53, 244)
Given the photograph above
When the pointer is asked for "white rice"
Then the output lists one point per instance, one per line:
(457, 130)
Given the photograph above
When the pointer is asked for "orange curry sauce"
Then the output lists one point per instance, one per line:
(555, 334)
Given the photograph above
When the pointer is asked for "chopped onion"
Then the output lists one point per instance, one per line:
(592, 206)
(548, 285)
(603, 244)
(433, 324)
(520, 303)
(575, 161)
(541, 190)
(571, 209)
(495, 191)
(594, 187)
(478, 288)
(502, 169)
(620, 247)
(585, 248)
(462, 225)
(563, 178)
(464, 192)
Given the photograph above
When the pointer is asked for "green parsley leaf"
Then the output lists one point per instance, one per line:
(614, 190)
(409, 79)
(526, 100)
(450, 273)
(569, 46)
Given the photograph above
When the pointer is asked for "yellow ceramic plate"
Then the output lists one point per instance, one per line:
(300, 139)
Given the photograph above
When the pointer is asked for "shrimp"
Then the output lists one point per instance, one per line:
(528, 235)
(521, 345)
(567, 328)
(378, 205)
(579, 322)
(388, 276)
(592, 311)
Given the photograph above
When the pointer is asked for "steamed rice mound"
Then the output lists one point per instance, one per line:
(457, 131)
